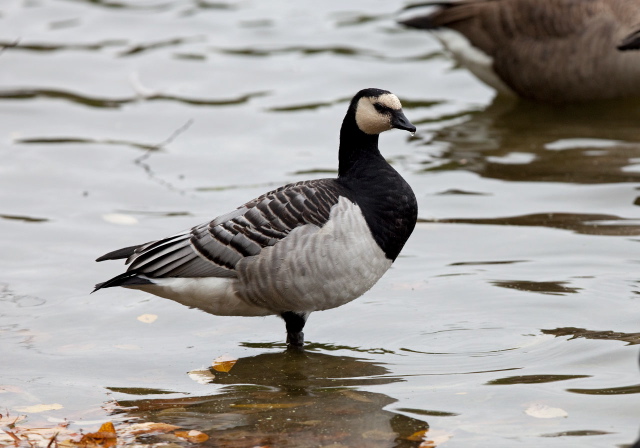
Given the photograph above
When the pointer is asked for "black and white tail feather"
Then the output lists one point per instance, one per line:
(304, 247)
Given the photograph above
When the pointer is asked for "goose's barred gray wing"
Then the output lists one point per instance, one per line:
(213, 249)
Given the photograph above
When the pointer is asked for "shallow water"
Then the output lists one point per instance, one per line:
(510, 318)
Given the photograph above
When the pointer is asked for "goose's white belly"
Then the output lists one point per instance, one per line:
(315, 268)
(311, 269)
(212, 295)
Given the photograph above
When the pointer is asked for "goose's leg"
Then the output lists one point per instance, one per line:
(295, 323)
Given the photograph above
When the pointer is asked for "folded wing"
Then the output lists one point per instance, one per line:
(213, 249)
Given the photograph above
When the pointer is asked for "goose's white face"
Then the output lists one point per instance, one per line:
(373, 115)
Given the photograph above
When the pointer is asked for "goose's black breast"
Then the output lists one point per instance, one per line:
(387, 202)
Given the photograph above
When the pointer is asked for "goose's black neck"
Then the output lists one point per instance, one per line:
(354, 144)
(384, 198)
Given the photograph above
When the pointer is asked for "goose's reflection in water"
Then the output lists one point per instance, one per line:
(519, 141)
(293, 398)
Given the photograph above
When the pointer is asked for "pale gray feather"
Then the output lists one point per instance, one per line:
(214, 249)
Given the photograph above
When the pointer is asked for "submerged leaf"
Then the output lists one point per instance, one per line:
(201, 376)
(539, 410)
(149, 427)
(192, 436)
(106, 436)
(224, 363)
(147, 318)
(417, 436)
(39, 408)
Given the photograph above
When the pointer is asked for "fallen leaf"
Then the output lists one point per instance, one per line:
(539, 410)
(147, 318)
(224, 363)
(39, 408)
(192, 436)
(149, 427)
(119, 218)
(417, 436)
(201, 376)
(105, 436)
(107, 427)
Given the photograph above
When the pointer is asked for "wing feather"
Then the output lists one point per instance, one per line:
(213, 249)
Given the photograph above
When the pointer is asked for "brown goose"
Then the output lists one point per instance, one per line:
(544, 50)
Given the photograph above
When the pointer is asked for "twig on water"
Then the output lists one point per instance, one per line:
(140, 160)
(53, 440)
(165, 142)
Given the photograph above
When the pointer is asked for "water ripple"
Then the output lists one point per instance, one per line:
(85, 141)
(114, 103)
(23, 218)
(113, 4)
(533, 379)
(575, 333)
(588, 224)
(50, 47)
(142, 48)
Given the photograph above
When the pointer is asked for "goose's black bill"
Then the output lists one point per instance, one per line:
(400, 121)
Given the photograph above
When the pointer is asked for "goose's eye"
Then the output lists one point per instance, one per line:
(380, 108)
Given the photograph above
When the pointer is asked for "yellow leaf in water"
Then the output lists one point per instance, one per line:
(192, 436)
(39, 408)
(107, 427)
(106, 436)
(147, 318)
(224, 363)
(417, 436)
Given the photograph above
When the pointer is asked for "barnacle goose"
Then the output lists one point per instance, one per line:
(550, 51)
(307, 246)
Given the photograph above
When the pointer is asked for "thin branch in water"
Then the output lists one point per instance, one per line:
(53, 440)
(165, 142)
(140, 160)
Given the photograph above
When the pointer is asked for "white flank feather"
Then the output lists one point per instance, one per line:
(212, 295)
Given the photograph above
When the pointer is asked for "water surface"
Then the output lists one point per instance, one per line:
(510, 318)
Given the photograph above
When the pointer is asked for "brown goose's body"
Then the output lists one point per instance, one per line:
(544, 50)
